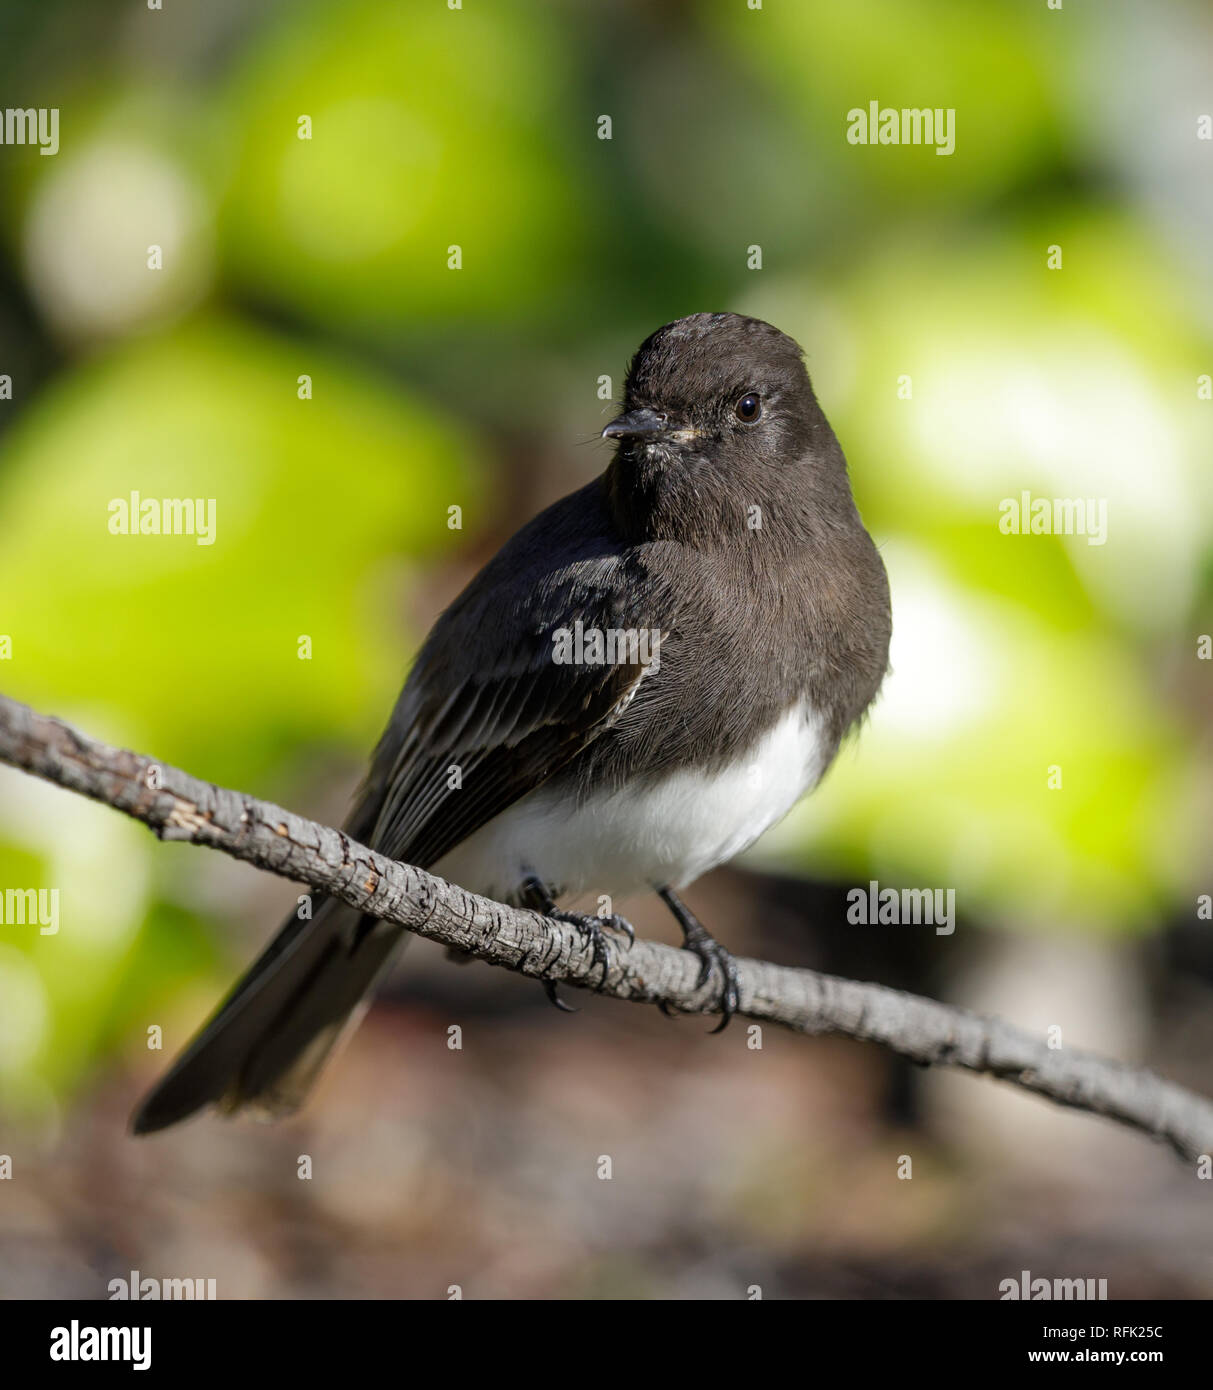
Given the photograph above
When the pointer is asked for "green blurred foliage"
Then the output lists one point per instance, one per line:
(990, 62)
(424, 136)
(312, 497)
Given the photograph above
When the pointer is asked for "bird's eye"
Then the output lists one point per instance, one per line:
(748, 408)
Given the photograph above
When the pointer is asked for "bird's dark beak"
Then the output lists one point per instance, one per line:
(636, 424)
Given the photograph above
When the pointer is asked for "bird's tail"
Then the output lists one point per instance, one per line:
(266, 1043)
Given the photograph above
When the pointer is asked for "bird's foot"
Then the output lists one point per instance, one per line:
(712, 953)
(537, 897)
(591, 928)
(700, 942)
(549, 988)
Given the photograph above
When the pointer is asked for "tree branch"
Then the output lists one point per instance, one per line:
(179, 807)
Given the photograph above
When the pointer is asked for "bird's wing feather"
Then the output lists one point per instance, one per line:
(486, 696)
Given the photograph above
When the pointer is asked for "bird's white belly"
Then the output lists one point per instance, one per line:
(661, 833)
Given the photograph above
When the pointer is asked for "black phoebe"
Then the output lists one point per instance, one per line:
(639, 683)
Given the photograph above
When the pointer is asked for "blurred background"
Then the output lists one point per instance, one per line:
(957, 368)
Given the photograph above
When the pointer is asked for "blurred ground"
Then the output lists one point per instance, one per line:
(730, 1167)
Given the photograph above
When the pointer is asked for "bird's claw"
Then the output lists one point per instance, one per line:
(536, 896)
(591, 927)
(712, 953)
(621, 924)
(549, 988)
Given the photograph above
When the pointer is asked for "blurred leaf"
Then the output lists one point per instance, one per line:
(197, 645)
(430, 128)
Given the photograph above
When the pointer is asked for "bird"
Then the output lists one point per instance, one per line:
(722, 550)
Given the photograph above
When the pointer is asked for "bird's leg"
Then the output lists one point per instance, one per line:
(534, 894)
(697, 938)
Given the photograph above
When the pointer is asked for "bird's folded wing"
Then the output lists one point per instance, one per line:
(488, 715)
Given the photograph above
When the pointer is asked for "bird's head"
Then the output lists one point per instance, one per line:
(719, 418)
